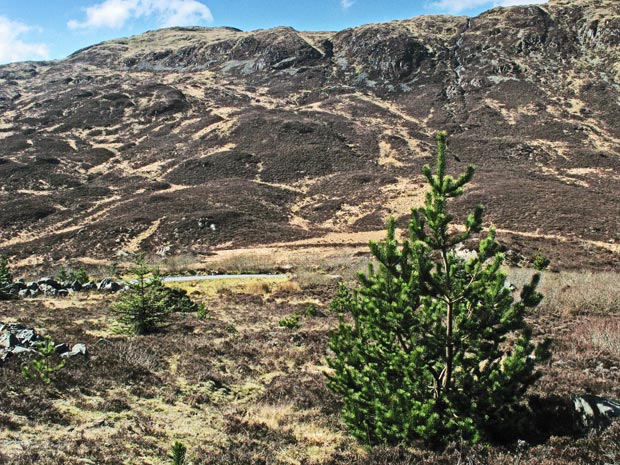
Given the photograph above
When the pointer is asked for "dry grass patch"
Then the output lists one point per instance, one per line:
(574, 292)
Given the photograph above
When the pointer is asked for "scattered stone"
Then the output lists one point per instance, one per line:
(51, 288)
(17, 339)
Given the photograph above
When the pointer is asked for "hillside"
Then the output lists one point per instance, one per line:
(204, 139)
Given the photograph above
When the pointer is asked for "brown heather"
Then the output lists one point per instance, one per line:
(257, 395)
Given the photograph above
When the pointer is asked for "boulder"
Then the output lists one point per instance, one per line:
(61, 348)
(108, 285)
(8, 341)
(12, 327)
(89, 286)
(13, 289)
(28, 337)
(25, 293)
(49, 282)
(48, 290)
(22, 350)
(594, 412)
(77, 349)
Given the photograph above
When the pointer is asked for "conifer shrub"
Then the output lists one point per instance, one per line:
(6, 279)
(148, 303)
(431, 346)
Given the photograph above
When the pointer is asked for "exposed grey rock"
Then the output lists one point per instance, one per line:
(15, 327)
(594, 412)
(28, 337)
(89, 286)
(108, 285)
(25, 293)
(22, 350)
(13, 289)
(48, 290)
(18, 339)
(77, 349)
(8, 340)
(75, 286)
(61, 348)
(49, 282)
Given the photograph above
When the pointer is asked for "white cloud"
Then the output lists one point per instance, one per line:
(519, 2)
(115, 13)
(456, 6)
(13, 47)
(346, 4)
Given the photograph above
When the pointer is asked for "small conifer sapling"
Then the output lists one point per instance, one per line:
(432, 346)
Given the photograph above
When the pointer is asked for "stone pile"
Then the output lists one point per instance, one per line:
(18, 339)
(50, 287)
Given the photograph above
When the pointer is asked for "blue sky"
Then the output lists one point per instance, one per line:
(50, 29)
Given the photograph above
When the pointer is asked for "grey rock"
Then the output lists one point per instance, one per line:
(104, 282)
(8, 340)
(89, 286)
(25, 293)
(61, 348)
(75, 286)
(13, 327)
(48, 290)
(27, 337)
(13, 289)
(32, 286)
(108, 285)
(22, 350)
(594, 412)
(49, 282)
(77, 349)
(62, 292)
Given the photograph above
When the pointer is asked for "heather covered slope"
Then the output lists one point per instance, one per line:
(205, 138)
